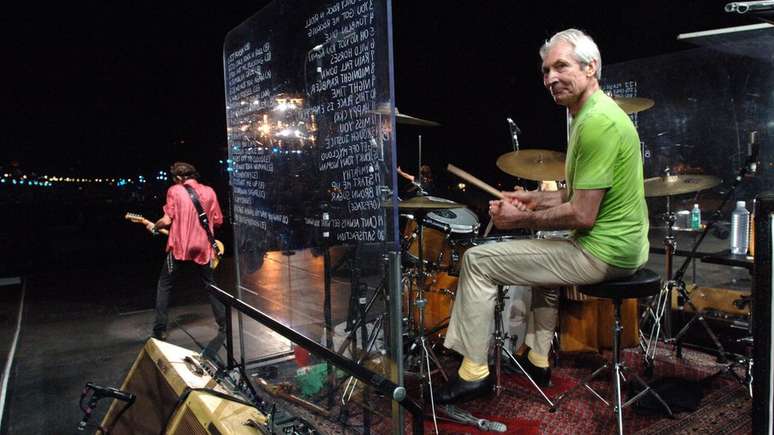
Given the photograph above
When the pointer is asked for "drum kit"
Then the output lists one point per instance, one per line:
(436, 232)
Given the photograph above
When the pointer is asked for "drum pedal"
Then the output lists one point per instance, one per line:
(462, 416)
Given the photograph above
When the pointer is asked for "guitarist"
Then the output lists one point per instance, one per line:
(188, 246)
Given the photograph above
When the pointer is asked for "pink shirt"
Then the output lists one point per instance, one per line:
(187, 238)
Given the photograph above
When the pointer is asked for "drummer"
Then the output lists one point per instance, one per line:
(424, 186)
(603, 203)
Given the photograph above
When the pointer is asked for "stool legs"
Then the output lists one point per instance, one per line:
(618, 373)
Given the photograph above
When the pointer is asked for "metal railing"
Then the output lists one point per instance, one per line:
(373, 379)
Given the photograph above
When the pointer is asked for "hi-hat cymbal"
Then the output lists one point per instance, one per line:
(402, 118)
(678, 184)
(425, 203)
(633, 104)
(536, 165)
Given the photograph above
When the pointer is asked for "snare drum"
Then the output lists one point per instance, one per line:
(439, 227)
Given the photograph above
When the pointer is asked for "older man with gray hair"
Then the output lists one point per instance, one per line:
(603, 205)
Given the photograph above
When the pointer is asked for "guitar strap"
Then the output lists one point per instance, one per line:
(202, 217)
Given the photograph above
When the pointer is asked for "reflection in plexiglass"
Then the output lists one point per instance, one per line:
(311, 186)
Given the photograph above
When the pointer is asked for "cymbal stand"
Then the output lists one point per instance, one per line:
(656, 313)
(419, 179)
(427, 353)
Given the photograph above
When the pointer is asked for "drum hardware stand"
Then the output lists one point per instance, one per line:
(677, 282)
(749, 166)
(325, 234)
(368, 345)
(500, 336)
(355, 287)
(515, 132)
(366, 306)
(658, 308)
(459, 415)
(741, 361)
(745, 361)
(427, 352)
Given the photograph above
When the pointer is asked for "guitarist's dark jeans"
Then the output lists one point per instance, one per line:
(170, 271)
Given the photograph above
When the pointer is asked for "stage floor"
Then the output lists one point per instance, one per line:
(88, 324)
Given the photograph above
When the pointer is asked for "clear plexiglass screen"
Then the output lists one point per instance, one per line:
(308, 105)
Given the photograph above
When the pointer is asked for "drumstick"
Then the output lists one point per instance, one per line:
(474, 181)
(488, 228)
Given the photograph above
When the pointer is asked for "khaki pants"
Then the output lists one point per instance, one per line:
(543, 264)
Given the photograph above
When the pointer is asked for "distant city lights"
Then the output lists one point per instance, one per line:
(28, 180)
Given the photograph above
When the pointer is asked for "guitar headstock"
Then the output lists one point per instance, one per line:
(136, 218)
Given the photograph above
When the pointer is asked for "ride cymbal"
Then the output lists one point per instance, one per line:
(633, 104)
(425, 203)
(535, 165)
(678, 184)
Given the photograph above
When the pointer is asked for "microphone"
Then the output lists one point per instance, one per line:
(514, 128)
(744, 7)
(111, 392)
(515, 132)
(338, 36)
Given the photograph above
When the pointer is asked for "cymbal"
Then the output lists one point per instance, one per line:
(678, 184)
(425, 203)
(536, 165)
(633, 104)
(402, 118)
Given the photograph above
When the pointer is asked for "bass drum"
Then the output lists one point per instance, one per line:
(585, 322)
(439, 294)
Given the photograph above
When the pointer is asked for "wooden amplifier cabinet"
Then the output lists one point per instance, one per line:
(158, 378)
(205, 413)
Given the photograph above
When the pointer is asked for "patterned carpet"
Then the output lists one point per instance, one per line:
(724, 408)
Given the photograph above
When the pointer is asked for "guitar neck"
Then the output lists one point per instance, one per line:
(145, 222)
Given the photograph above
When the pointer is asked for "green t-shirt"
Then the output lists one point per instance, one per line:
(604, 153)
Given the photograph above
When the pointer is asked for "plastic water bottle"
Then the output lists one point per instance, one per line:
(740, 229)
(696, 217)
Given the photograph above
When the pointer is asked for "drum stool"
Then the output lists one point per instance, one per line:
(642, 284)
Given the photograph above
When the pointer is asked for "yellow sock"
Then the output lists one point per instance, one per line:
(538, 360)
(470, 371)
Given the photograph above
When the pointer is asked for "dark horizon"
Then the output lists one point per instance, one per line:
(101, 91)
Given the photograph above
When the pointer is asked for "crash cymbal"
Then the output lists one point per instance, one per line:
(678, 184)
(536, 165)
(425, 203)
(633, 104)
(402, 118)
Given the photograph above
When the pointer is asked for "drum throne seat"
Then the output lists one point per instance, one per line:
(642, 284)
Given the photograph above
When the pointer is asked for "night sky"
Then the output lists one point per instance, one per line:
(113, 89)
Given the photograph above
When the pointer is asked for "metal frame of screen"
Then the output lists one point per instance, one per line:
(763, 327)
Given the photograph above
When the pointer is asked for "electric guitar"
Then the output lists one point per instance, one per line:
(139, 219)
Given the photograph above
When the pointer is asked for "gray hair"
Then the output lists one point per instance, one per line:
(584, 48)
